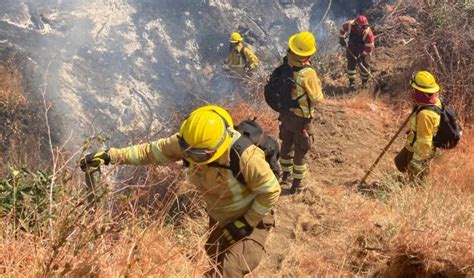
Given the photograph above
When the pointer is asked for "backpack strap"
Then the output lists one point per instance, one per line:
(425, 107)
(433, 108)
(236, 152)
(310, 105)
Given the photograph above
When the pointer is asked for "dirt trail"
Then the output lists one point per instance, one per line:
(349, 135)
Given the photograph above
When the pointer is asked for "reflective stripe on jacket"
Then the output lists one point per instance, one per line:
(423, 127)
(225, 197)
(307, 89)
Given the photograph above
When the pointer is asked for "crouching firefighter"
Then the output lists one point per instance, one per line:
(240, 212)
(359, 49)
(293, 90)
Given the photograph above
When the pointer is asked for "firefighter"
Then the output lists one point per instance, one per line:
(240, 215)
(295, 127)
(241, 58)
(415, 156)
(359, 48)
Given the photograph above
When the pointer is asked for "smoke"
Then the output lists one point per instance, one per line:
(121, 67)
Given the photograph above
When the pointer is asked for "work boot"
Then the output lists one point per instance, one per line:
(352, 85)
(285, 179)
(364, 84)
(297, 187)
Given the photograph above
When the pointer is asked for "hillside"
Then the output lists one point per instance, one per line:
(148, 221)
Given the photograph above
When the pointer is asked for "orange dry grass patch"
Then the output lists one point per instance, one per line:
(456, 167)
(434, 232)
(153, 251)
(266, 117)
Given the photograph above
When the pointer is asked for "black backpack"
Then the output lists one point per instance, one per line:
(277, 91)
(449, 131)
(252, 134)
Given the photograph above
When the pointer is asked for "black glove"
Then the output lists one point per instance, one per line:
(237, 230)
(93, 161)
(342, 42)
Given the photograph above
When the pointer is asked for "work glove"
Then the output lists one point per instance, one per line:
(342, 42)
(416, 168)
(92, 161)
(237, 230)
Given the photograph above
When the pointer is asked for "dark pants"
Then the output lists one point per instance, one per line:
(352, 63)
(295, 143)
(240, 258)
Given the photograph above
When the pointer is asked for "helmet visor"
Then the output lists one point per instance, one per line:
(196, 154)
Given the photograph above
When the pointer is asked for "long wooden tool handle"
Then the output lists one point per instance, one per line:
(385, 149)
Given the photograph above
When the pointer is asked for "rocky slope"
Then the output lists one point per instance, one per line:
(121, 66)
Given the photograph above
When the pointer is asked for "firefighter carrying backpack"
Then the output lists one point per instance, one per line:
(449, 131)
(277, 91)
(252, 134)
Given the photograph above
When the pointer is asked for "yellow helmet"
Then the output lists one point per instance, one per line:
(235, 38)
(302, 44)
(205, 135)
(425, 82)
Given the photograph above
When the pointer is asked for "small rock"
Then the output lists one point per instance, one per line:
(338, 160)
(407, 20)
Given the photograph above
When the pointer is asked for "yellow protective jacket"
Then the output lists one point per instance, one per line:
(423, 127)
(307, 89)
(242, 57)
(226, 198)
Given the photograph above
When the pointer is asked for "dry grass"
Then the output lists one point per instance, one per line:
(410, 232)
(139, 232)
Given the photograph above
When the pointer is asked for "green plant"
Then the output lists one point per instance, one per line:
(24, 197)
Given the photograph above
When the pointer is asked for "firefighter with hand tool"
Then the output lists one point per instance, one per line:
(240, 212)
(423, 125)
(241, 59)
(359, 49)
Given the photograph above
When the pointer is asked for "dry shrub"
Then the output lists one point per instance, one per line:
(430, 35)
(22, 131)
(148, 226)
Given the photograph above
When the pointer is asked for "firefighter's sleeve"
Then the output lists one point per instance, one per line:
(312, 86)
(426, 122)
(163, 151)
(369, 43)
(251, 58)
(344, 30)
(260, 180)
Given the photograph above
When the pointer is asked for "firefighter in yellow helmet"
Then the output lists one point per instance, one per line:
(295, 127)
(415, 156)
(241, 58)
(240, 215)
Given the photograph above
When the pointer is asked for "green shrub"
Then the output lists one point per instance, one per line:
(24, 198)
